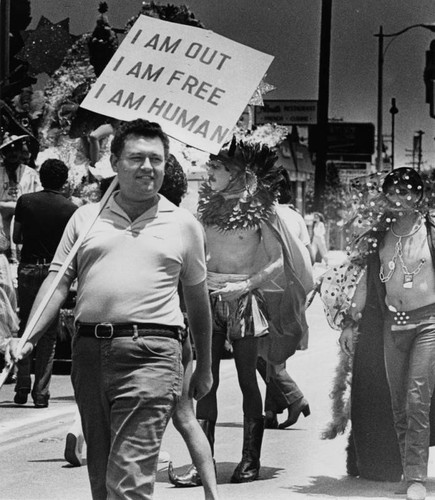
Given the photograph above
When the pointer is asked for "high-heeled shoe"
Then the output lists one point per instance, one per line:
(189, 479)
(294, 411)
(74, 448)
(192, 477)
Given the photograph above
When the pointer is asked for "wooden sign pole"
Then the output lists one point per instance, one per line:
(35, 318)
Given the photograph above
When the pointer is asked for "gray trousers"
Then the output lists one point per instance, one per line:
(410, 365)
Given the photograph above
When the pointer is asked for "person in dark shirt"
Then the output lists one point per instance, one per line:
(40, 219)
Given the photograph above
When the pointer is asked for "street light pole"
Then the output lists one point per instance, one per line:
(381, 56)
(380, 97)
(5, 12)
(322, 107)
(393, 111)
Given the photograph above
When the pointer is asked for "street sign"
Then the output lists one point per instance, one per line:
(345, 138)
(286, 112)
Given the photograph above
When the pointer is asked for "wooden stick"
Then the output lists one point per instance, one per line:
(60, 274)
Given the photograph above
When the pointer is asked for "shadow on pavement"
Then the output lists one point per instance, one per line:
(230, 424)
(347, 487)
(224, 472)
(62, 398)
(48, 460)
(11, 404)
(30, 406)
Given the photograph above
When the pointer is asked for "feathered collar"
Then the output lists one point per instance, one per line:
(229, 213)
(248, 201)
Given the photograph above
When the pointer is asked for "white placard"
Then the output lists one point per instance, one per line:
(192, 81)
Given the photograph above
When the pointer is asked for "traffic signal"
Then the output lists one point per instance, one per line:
(429, 78)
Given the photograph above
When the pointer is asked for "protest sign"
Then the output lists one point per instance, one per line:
(192, 81)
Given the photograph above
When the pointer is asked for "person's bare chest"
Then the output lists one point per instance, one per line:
(231, 251)
(407, 270)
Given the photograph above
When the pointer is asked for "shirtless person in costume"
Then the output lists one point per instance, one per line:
(407, 272)
(233, 208)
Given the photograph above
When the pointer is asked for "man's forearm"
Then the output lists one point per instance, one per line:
(274, 263)
(199, 318)
(200, 326)
(267, 273)
(202, 342)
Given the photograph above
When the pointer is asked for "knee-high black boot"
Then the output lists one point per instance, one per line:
(249, 467)
(192, 477)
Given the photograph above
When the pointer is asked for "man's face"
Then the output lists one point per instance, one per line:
(140, 167)
(402, 198)
(25, 154)
(218, 176)
(15, 154)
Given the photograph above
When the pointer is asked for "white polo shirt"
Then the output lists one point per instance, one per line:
(129, 271)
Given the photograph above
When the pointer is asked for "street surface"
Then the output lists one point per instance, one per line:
(296, 463)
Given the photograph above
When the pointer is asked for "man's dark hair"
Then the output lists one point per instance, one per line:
(320, 216)
(53, 174)
(174, 185)
(284, 188)
(139, 127)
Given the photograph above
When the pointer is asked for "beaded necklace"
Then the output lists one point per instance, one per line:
(408, 276)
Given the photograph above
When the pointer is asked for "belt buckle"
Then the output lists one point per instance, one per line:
(104, 325)
(401, 317)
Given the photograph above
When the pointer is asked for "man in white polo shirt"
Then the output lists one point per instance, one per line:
(127, 372)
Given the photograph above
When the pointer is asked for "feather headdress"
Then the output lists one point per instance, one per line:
(258, 178)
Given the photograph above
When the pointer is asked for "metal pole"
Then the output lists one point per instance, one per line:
(420, 150)
(5, 14)
(381, 54)
(322, 108)
(380, 35)
(393, 111)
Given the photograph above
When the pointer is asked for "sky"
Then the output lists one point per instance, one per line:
(290, 31)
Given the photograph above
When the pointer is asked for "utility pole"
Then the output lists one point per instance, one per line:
(322, 106)
(416, 152)
(418, 148)
(381, 56)
(380, 111)
(5, 15)
(393, 111)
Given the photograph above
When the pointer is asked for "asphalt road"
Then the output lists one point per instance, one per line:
(296, 463)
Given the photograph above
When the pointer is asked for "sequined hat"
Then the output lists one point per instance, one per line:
(404, 176)
(12, 139)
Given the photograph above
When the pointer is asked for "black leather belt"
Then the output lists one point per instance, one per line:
(34, 265)
(111, 330)
(36, 261)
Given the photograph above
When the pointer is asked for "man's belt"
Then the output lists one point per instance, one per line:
(38, 261)
(407, 320)
(112, 330)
